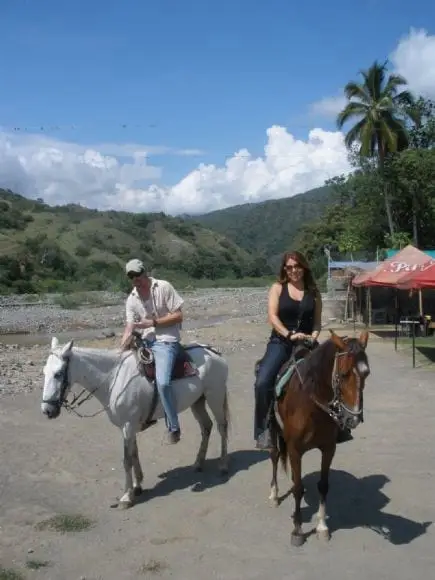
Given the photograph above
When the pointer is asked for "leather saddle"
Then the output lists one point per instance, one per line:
(183, 366)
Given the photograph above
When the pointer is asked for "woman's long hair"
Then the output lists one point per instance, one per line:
(300, 259)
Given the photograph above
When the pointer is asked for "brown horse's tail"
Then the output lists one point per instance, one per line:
(283, 453)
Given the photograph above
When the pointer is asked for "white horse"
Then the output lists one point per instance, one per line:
(127, 397)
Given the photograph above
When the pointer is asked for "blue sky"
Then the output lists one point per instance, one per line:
(188, 74)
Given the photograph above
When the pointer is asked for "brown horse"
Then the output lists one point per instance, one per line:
(324, 393)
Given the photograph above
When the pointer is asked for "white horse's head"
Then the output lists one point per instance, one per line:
(56, 379)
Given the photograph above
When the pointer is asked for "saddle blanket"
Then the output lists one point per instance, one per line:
(284, 376)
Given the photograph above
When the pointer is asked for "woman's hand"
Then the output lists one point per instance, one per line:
(297, 336)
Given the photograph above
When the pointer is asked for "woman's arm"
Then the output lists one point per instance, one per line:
(272, 311)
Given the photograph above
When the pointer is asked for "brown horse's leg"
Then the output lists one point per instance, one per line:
(274, 456)
(297, 538)
(323, 487)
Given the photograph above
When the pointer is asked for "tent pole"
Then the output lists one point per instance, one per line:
(413, 344)
(396, 302)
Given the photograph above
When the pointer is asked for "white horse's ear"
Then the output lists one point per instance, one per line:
(54, 343)
(66, 351)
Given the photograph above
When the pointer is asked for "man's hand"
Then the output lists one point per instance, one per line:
(129, 327)
(144, 323)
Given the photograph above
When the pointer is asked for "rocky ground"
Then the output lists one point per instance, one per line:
(105, 311)
(21, 364)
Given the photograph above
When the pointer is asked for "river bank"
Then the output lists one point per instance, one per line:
(231, 320)
(105, 312)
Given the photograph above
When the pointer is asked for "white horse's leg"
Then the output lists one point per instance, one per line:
(218, 403)
(199, 411)
(127, 499)
(137, 470)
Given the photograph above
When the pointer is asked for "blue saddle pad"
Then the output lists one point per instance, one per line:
(284, 377)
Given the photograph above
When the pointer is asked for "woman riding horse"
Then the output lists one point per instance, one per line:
(294, 312)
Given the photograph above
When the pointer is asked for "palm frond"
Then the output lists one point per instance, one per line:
(394, 82)
(355, 90)
(368, 143)
(405, 98)
(354, 134)
(351, 111)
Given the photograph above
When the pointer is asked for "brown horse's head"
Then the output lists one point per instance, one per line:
(350, 372)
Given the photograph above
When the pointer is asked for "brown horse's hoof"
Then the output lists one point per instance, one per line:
(137, 490)
(297, 540)
(324, 535)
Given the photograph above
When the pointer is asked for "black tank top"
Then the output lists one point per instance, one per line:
(294, 314)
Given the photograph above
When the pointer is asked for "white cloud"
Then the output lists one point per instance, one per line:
(120, 177)
(328, 107)
(414, 58)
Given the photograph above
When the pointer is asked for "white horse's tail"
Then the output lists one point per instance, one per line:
(227, 412)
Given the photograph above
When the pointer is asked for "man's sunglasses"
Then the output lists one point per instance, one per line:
(133, 275)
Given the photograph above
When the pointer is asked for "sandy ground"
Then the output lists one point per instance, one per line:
(190, 525)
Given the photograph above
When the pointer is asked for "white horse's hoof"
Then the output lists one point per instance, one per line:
(125, 505)
(323, 535)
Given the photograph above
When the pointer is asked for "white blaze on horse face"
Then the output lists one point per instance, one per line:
(363, 369)
(53, 379)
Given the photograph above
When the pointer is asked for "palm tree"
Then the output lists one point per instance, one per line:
(381, 109)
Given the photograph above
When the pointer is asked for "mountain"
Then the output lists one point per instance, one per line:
(267, 228)
(44, 248)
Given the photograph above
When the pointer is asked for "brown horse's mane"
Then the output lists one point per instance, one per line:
(314, 366)
(314, 369)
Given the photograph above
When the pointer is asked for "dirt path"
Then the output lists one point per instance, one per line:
(197, 526)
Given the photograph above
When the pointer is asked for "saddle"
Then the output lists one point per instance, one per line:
(183, 366)
(285, 372)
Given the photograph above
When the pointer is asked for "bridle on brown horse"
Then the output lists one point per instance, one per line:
(337, 408)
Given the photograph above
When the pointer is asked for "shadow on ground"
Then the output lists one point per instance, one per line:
(185, 477)
(428, 352)
(359, 502)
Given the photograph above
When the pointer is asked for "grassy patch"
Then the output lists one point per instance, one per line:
(64, 523)
(37, 564)
(10, 574)
(153, 567)
(67, 301)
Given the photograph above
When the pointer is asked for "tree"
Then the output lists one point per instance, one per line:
(414, 174)
(381, 109)
(422, 130)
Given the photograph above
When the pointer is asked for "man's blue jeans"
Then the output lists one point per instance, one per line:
(165, 354)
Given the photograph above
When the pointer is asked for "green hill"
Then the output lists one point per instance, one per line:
(270, 227)
(44, 248)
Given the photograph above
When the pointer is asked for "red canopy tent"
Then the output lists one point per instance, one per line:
(389, 272)
(423, 277)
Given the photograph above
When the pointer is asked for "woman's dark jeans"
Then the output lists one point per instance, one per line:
(277, 353)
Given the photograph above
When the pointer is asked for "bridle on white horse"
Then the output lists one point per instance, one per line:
(64, 375)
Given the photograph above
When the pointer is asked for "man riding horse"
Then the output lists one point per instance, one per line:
(154, 307)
